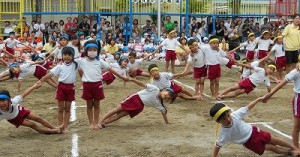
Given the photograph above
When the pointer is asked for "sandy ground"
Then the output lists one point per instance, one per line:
(192, 132)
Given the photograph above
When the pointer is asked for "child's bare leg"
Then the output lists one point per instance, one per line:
(96, 113)
(202, 80)
(284, 147)
(197, 86)
(39, 129)
(67, 115)
(89, 110)
(187, 97)
(145, 74)
(295, 133)
(282, 143)
(167, 66)
(230, 89)
(212, 87)
(173, 66)
(60, 112)
(179, 58)
(109, 114)
(184, 91)
(216, 82)
(40, 120)
(233, 94)
(279, 74)
(116, 117)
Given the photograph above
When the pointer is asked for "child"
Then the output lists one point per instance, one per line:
(63, 41)
(234, 129)
(134, 104)
(11, 42)
(164, 80)
(138, 48)
(213, 55)
(24, 70)
(264, 42)
(259, 75)
(250, 47)
(18, 115)
(170, 43)
(134, 64)
(65, 93)
(92, 80)
(279, 56)
(197, 57)
(120, 67)
(245, 72)
(75, 44)
(294, 75)
(182, 54)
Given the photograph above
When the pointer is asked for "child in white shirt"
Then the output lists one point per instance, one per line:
(264, 42)
(279, 56)
(234, 129)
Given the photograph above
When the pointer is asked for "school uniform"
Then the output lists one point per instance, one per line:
(280, 60)
(10, 44)
(135, 66)
(250, 47)
(108, 77)
(57, 54)
(134, 103)
(170, 46)
(92, 77)
(240, 132)
(66, 77)
(76, 50)
(294, 75)
(198, 60)
(36, 70)
(16, 113)
(263, 47)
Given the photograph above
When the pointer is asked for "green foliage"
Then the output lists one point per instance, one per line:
(121, 5)
(198, 6)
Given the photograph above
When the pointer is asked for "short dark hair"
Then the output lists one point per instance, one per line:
(5, 92)
(132, 54)
(215, 109)
(295, 15)
(151, 66)
(191, 41)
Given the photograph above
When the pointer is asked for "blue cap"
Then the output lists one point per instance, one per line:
(125, 49)
(34, 57)
(148, 48)
(64, 36)
(137, 38)
(13, 65)
(90, 45)
(153, 48)
(11, 33)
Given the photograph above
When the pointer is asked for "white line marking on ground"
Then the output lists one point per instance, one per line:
(74, 150)
(261, 123)
(190, 87)
(52, 108)
(73, 112)
(277, 131)
(222, 101)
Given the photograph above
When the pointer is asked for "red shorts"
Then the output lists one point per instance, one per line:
(40, 71)
(250, 55)
(170, 55)
(23, 113)
(262, 54)
(82, 55)
(92, 91)
(247, 85)
(258, 140)
(133, 105)
(296, 105)
(213, 71)
(230, 63)
(176, 88)
(65, 92)
(200, 72)
(10, 50)
(280, 62)
(108, 77)
(48, 65)
(137, 72)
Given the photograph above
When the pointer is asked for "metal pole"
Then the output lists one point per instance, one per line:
(130, 19)
(180, 20)
(214, 24)
(186, 17)
(158, 18)
(98, 29)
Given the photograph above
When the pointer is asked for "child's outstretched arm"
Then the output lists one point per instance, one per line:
(235, 48)
(150, 55)
(274, 90)
(244, 65)
(29, 90)
(253, 103)
(119, 75)
(38, 62)
(164, 114)
(137, 82)
(216, 151)
(261, 61)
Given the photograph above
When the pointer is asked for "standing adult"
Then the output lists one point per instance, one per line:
(84, 26)
(70, 27)
(291, 44)
(39, 28)
(169, 25)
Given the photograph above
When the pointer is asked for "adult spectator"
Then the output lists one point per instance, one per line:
(169, 25)
(61, 24)
(84, 26)
(246, 29)
(126, 28)
(135, 26)
(147, 26)
(266, 26)
(111, 47)
(256, 30)
(39, 28)
(193, 25)
(292, 43)
(282, 25)
(227, 23)
(221, 29)
(7, 29)
(52, 27)
(70, 27)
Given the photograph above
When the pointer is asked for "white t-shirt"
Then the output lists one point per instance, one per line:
(13, 109)
(198, 59)
(117, 68)
(164, 80)
(259, 76)
(264, 44)
(92, 70)
(135, 65)
(39, 27)
(239, 132)
(77, 53)
(250, 45)
(212, 57)
(11, 43)
(66, 73)
(170, 44)
(149, 97)
(26, 70)
(57, 53)
(294, 75)
(278, 49)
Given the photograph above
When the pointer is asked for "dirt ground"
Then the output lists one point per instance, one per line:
(192, 132)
